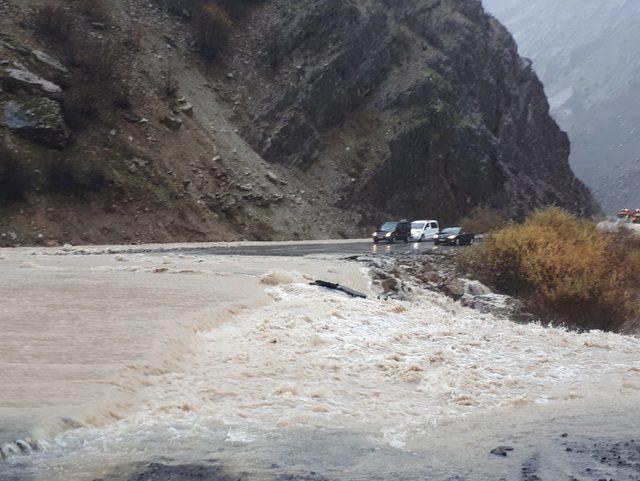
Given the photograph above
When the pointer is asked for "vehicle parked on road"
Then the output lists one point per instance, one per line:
(393, 231)
(424, 230)
(626, 214)
(454, 236)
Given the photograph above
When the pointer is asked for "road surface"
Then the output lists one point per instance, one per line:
(267, 249)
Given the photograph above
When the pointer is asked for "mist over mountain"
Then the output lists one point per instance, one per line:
(586, 53)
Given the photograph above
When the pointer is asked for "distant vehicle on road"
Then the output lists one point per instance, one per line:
(394, 231)
(424, 230)
(454, 236)
(628, 214)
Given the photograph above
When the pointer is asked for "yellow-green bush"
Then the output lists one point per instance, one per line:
(564, 267)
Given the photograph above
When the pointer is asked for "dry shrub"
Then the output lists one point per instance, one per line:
(213, 27)
(96, 57)
(134, 36)
(65, 177)
(170, 84)
(236, 7)
(273, 50)
(81, 105)
(212, 20)
(177, 6)
(564, 267)
(53, 22)
(14, 179)
(96, 84)
(483, 219)
(94, 10)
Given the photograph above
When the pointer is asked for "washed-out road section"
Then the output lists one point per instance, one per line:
(178, 363)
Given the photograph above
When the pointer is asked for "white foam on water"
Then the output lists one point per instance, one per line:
(316, 358)
(319, 359)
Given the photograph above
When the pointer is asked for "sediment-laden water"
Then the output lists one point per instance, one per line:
(239, 367)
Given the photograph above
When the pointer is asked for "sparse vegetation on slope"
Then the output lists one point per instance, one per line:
(564, 267)
(213, 27)
(212, 21)
(99, 64)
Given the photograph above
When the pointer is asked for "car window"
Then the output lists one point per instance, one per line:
(452, 230)
(434, 225)
(417, 225)
(389, 226)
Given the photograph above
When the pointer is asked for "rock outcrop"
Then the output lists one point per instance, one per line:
(405, 107)
(586, 53)
(17, 78)
(38, 119)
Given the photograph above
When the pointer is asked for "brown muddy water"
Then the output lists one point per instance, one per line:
(236, 368)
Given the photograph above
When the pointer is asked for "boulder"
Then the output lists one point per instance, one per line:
(19, 78)
(47, 60)
(496, 304)
(387, 282)
(132, 117)
(501, 450)
(186, 108)
(455, 288)
(171, 122)
(39, 120)
(475, 288)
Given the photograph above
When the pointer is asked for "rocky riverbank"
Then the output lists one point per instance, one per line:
(401, 275)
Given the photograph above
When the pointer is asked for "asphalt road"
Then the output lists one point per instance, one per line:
(303, 249)
(355, 247)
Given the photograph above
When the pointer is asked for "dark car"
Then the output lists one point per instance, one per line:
(393, 232)
(454, 236)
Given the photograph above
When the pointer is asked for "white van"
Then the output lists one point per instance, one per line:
(424, 230)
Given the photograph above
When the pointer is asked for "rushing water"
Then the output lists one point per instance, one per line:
(296, 378)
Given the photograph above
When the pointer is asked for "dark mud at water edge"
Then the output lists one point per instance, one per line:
(328, 455)
(581, 459)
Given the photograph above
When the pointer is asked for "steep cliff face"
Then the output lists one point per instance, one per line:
(409, 108)
(586, 53)
(319, 119)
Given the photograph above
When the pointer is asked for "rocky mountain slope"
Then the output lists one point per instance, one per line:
(586, 54)
(317, 119)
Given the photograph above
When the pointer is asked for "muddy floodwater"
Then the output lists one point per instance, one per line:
(178, 367)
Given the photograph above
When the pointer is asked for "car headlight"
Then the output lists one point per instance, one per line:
(388, 234)
(375, 234)
(451, 237)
